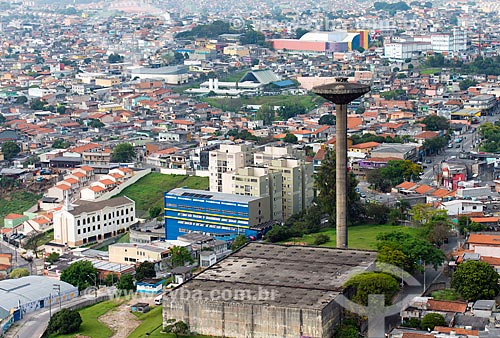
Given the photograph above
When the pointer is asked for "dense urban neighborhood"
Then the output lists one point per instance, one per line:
(264, 169)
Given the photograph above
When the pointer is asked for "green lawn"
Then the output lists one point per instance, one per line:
(91, 326)
(148, 191)
(17, 202)
(446, 294)
(152, 324)
(235, 104)
(428, 71)
(234, 77)
(360, 236)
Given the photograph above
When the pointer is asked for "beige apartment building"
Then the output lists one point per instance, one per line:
(272, 152)
(127, 253)
(228, 158)
(297, 184)
(257, 181)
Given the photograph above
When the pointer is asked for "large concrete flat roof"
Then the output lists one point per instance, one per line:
(301, 276)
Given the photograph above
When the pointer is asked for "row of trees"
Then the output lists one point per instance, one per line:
(357, 139)
(480, 65)
(490, 133)
(394, 173)
(267, 113)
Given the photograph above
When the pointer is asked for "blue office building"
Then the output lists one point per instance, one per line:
(223, 216)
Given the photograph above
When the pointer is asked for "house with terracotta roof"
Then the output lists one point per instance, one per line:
(92, 193)
(59, 190)
(406, 186)
(87, 171)
(13, 220)
(364, 148)
(37, 224)
(106, 184)
(425, 135)
(421, 306)
(484, 244)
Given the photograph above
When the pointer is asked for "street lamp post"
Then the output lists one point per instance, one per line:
(57, 287)
(94, 279)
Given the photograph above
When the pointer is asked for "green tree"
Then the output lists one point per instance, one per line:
(94, 123)
(348, 329)
(145, 270)
(37, 104)
(176, 327)
(10, 150)
(395, 172)
(373, 283)
(434, 145)
(61, 109)
(124, 152)
(60, 144)
(266, 114)
(326, 186)
(21, 99)
(115, 58)
(280, 233)
(126, 283)
(155, 211)
(416, 248)
(376, 213)
(393, 253)
(328, 119)
(465, 84)
(64, 322)
(436, 123)
(52, 257)
(431, 320)
(239, 241)
(2, 119)
(19, 272)
(290, 138)
(180, 256)
(321, 239)
(252, 37)
(110, 279)
(80, 274)
(299, 32)
(291, 109)
(475, 280)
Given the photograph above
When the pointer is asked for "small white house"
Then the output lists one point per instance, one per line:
(460, 207)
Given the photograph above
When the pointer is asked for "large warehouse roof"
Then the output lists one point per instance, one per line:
(334, 36)
(28, 289)
(301, 276)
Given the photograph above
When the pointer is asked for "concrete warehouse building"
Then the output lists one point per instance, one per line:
(268, 290)
(27, 294)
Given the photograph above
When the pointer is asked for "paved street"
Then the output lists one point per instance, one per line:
(34, 324)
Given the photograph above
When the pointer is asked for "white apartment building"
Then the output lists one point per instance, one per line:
(455, 41)
(86, 222)
(257, 181)
(405, 50)
(228, 158)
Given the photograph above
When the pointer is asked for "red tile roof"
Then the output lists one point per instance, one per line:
(406, 185)
(446, 306)
(366, 145)
(13, 216)
(484, 239)
(457, 330)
